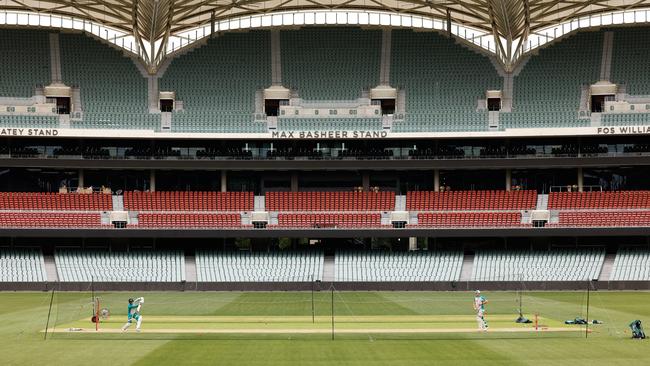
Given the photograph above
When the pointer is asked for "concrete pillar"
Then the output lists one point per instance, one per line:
(81, 178)
(224, 181)
(580, 180)
(294, 182)
(365, 181)
(152, 180)
(508, 179)
(436, 180)
(413, 243)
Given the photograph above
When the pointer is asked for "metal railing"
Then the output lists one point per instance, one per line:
(261, 154)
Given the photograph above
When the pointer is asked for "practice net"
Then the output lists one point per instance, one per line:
(328, 312)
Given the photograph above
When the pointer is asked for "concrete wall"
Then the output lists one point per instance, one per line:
(325, 286)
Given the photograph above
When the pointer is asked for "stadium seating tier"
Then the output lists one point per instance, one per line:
(188, 220)
(599, 200)
(188, 201)
(55, 201)
(25, 60)
(554, 265)
(217, 83)
(245, 266)
(611, 218)
(443, 82)
(330, 201)
(113, 91)
(22, 265)
(378, 266)
(470, 200)
(134, 266)
(548, 89)
(470, 219)
(330, 220)
(631, 265)
(52, 219)
(330, 63)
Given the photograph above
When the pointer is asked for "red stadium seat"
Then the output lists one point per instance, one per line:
(330, 201)
(55, 201)
(470, 219)
(188, 220)
(602, 219)
(599, 200)
(188, 201)
(471, 200)
(51, 220)
(330, 220)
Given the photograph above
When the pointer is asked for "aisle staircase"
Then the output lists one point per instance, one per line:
(328, 269)
(466, 269)
(608, 266)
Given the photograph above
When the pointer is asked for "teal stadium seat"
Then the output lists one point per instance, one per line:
(22, 121)
(330, 63)
(412, 266)
(113, 92)
(631, 264)
(442, 80)
(525, 265)
(245, 266)
(547, 91)
(217, 83)
(133, 266)
(25, 60)
(22, 265)
(630, 60)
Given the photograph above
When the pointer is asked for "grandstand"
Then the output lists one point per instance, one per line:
(339, 65)
(101, 266)
(259, 267)
(631, 265)
(628, 56)
(188, 201)
(22, 266)
(443, 83)
(547, 91)
(25, 61)
(113, 92)
(348, 153)
(217, 84)
(325, 210)
(556, 265)
(315, 175)
(398, 267)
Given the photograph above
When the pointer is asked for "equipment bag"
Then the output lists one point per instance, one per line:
(637, 330)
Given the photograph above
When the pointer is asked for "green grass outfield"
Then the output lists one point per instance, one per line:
(370, 328)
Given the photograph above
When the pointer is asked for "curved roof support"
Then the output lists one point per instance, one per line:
(153, 30)
(510, 23)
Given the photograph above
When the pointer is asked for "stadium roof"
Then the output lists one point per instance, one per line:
(153, 23)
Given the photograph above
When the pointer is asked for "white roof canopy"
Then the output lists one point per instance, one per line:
(155, 28)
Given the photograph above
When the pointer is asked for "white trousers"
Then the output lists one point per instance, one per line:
(128, 324)
(480, 321)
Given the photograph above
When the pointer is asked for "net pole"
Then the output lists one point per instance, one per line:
(96, 315)
(313, 315)
(587, 325)
(521, 289)
(332, 288)
(92, 289)
(521, 313)
(49, 312)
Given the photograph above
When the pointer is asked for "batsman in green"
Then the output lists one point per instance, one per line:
(133, 313)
